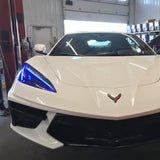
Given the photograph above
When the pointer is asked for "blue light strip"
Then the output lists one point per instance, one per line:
(22, 73)
(27, 68)
(47, 84)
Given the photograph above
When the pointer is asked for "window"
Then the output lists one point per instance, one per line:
(101, 44)
(133, 45)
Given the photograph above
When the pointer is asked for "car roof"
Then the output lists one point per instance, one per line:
(100, 33)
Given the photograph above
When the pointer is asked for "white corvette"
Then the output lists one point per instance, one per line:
(92, 89)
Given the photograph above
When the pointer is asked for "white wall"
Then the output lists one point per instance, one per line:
(98, 10)
(147, 9)
(44, 13)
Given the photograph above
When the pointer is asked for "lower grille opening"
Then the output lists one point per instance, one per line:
(25, 116)
(80, 131)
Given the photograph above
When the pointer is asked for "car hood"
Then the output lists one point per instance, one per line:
(108, 72)
(84, 83)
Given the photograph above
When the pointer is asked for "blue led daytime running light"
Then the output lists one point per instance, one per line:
(39, 78)
(30, 76)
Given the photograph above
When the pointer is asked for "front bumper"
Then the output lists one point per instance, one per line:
(33, 125)
(25, 116)
(54, 130)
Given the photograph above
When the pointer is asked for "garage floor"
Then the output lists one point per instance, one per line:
(15, 147)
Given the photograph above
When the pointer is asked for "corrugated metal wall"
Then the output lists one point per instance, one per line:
(98, 10)
(45, 13)
(147, 9)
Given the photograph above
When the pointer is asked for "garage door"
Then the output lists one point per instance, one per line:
(98, 10)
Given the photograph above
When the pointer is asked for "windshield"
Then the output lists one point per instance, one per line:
(101, 44)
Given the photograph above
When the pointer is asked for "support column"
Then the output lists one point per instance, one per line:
(7, 42)
(132, 12)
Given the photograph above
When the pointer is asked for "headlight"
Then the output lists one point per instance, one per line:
(30, 76)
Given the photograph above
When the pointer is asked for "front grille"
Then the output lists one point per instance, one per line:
(80, 131)
(25, 116)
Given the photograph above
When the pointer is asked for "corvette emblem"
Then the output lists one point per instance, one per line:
(115, 99)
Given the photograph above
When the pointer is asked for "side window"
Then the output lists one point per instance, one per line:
(63, 48)
(133, 45)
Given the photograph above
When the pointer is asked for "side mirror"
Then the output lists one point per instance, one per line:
(155, 48)
(40, 48)
(158, 52)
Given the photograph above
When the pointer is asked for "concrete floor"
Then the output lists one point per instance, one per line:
(15, 147)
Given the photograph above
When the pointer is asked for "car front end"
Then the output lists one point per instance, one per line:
(95, 101)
